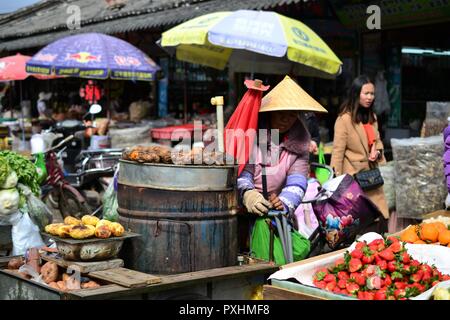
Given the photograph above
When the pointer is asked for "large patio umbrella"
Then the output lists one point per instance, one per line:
(93, 56)
(12, 68)
(252, 41)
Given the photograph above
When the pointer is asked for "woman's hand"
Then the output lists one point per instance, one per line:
(313, 147)
(276, 202)
(374, 154)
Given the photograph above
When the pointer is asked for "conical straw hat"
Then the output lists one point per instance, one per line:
(288, 95)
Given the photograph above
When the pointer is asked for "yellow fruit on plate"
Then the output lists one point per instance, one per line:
(52, 228)
(72, 221)
(82, 231)
(117, 229)
(64, 231)
(103, 222)
(90, 220)
(102, 232)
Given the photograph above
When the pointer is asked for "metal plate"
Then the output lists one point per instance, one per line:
(94, 249)
(177, 177)
(91, 240)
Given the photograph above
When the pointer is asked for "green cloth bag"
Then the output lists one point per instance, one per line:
(261, 242)
(322, 175)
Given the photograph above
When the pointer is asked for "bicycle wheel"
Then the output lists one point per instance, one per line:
(69, 205)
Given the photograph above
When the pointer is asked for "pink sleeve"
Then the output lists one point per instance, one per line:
(300, 166)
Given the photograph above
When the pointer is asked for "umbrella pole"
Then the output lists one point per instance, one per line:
(108, 100)
(21, 112)
(218, 101)
(185, 95)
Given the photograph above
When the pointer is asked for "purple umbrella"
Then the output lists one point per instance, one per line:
(94, 56)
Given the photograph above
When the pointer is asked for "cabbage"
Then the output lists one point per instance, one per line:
(9, 201)
(11, 181)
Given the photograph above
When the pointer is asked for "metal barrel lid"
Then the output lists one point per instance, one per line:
(178, 177)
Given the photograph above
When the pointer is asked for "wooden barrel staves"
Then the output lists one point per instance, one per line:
(185, 213)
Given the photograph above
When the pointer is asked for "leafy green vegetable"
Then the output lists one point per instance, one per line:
(24, 168)
(4, 171)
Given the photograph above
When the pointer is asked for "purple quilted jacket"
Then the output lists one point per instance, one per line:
(446, 157)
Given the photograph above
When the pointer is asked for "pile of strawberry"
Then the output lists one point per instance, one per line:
(380, 270)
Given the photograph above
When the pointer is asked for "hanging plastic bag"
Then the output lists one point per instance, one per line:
(260, 244)
(305, 221)
(322, 174)
(25, 234)
(38, 211)
(110, 204)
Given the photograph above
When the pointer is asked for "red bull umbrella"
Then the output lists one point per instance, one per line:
(94, 56)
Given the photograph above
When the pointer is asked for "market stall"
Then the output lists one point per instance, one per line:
(412, 264)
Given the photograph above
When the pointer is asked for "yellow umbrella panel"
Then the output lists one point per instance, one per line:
(253, 41)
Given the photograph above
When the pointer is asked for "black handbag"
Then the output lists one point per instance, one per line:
(369, 179)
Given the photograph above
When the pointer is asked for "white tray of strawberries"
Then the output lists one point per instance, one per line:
(374, 268)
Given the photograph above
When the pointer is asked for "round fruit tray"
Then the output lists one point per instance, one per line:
(91, 249)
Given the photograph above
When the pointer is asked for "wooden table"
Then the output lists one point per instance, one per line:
(228, 283)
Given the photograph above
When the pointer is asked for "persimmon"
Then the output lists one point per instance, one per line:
(440, 226)
(420, 242)
(409, 235)
(444, 237)
(428, 232)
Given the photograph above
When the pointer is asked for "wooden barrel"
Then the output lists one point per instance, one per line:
(185, 214)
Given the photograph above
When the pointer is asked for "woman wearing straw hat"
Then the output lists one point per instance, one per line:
(286, 178)
(357, 145)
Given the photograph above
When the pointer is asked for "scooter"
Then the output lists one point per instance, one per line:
(77, 191)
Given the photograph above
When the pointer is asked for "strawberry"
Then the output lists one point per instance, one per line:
(339, 262)
(392, 239)
(399, 293)
(361, 295)
(320, 284)
(396, 275)
(329, 278)
(382, 264)
(387, 280)
(411, 292)
(358, 278)
(405, 257)
(424, 267)
(416, 277)
(426, 277)
(339, 265)
(435, 283)
(436, 273)
(354, 265)
(337, 290)
(377, 257)
(415, 263)
(387, 254)
(395, 247)
(369, 295)
(408, 269)
(352, 288)
(392, 266)
(360, 245)
(373, 282)
(330, 286)
(357, 254)
(320, 274)
(343, 275)
(445, 277)
(379, 295)
(420, 288)
(342, 283)
(400, 285)
(368, 256)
